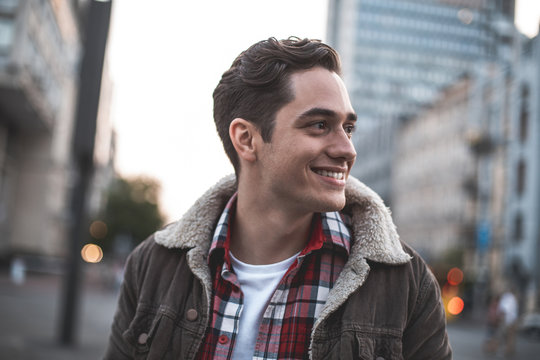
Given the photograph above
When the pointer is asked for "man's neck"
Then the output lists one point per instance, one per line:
(266, 234)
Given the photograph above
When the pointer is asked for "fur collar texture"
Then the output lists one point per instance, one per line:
(373, 236)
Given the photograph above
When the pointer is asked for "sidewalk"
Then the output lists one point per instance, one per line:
(30, 316)
(467, 338)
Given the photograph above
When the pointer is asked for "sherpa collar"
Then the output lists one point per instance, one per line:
(374, 235)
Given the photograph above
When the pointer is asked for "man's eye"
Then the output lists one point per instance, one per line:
(321, 125)
(349, 129)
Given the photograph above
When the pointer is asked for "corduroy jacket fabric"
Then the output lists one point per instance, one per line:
(385, 304)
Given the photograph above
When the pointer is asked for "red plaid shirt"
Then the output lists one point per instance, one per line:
(285, 328)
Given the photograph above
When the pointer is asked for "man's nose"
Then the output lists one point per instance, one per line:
(342, 146)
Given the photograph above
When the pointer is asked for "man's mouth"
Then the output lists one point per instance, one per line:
(332, 174)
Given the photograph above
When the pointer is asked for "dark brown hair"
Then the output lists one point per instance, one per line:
(257, 84)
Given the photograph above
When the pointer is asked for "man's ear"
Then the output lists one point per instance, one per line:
(243, 135)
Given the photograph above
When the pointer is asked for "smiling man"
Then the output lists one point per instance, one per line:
(291, 258)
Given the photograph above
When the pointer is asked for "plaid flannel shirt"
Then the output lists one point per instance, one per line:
(285, 328)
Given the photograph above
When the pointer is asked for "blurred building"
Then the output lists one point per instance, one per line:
(397, 56)
(467, 176)
(40, 53)
(522, 240)
(433, 165)
(449, 181)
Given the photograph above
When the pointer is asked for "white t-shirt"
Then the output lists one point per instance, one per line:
(258, 283)
(509, 307)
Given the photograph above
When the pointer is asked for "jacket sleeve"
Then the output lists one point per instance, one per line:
(117, 347)
(425, 336)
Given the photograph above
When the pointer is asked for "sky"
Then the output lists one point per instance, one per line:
(167, 56)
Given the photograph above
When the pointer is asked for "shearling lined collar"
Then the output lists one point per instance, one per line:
(373, 231)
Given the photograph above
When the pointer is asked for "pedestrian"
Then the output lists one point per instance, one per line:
(504, 336)
(291, 257)
(508, 308)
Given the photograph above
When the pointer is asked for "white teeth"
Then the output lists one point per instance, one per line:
(332, 174)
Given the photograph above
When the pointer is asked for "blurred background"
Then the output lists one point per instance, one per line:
(106, 134)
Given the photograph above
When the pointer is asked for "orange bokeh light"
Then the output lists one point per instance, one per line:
(455, 305)
(455, 276)
(92, 253)
(98, 229)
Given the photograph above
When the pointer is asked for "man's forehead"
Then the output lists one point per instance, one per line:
(315, 80)
(320, 88)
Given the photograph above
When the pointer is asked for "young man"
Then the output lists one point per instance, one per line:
(292, 258)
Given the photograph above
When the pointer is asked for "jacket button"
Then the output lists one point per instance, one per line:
(143, 338)
(192, 315)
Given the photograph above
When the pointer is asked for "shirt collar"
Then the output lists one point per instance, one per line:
(329, 229)
(222, 234)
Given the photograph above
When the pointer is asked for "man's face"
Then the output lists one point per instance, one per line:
(310, 155)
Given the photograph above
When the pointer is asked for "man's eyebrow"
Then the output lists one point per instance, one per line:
(313, 112)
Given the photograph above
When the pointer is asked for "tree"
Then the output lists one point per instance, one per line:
(131, 212)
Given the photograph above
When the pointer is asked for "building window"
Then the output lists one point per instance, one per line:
(524, 113)
(518, 228)
(7, 28)
(521, 172)
(8, 5)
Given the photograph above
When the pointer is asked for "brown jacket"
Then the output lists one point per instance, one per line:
(385, 305)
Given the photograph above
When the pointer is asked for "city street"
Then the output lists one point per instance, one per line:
(467, 339)
(29, 316)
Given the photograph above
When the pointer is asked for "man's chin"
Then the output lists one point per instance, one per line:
(333, 205)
